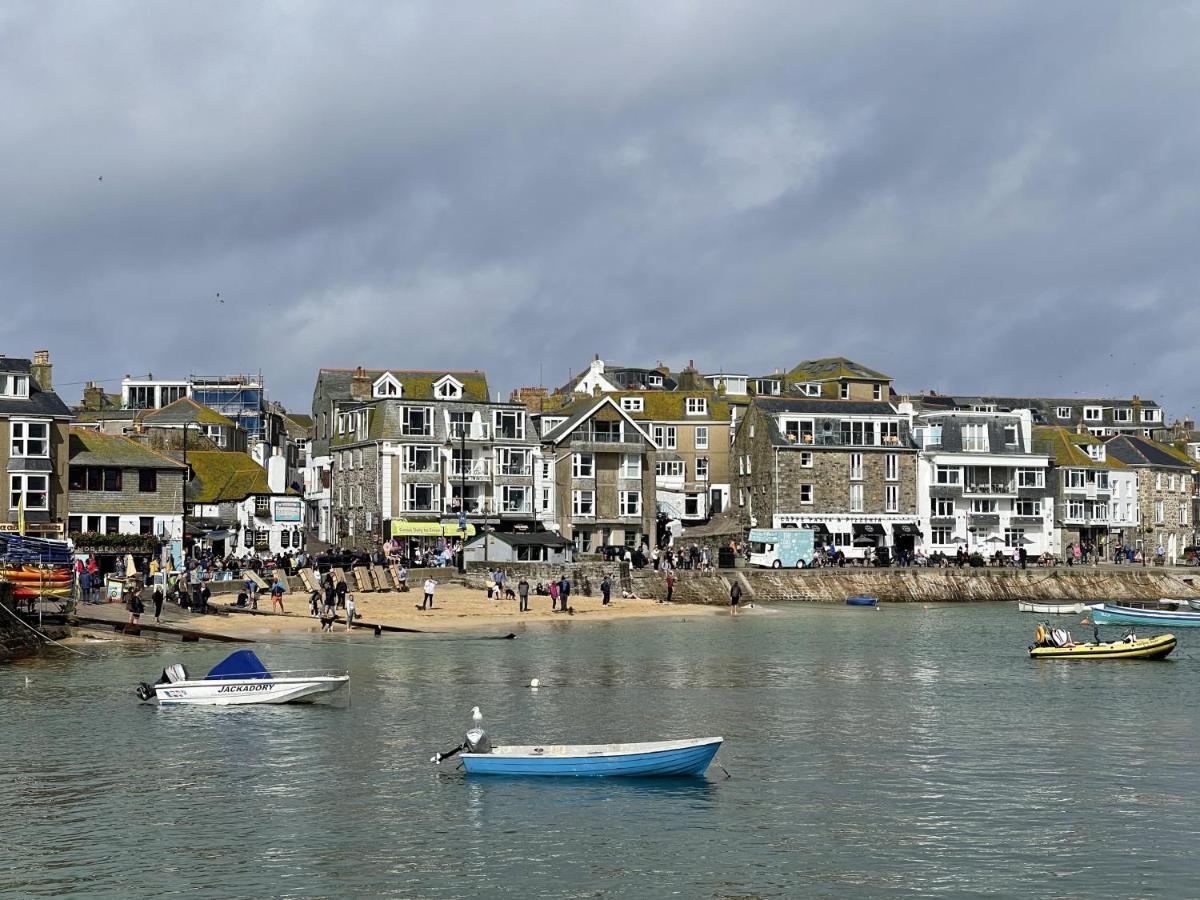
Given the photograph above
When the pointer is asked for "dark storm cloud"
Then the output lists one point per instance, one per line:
(972, 198)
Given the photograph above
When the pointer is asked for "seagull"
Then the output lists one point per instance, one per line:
(219, 300)
(476, 717)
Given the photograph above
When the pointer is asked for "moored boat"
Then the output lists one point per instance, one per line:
(1114, 614)
(238, 680)
(862, 601)
(1050, 609)
(1130, 647)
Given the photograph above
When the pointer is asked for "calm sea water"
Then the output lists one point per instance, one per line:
(902, 752)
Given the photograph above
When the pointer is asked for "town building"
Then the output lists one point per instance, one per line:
(235, 506)
(120, 487)
(1166, 493)
(198, 420)
(599, 465)
(1095, 494)
(34, 447)
(1103, 417)
(423, 455)
(982, 485)
(514, 546)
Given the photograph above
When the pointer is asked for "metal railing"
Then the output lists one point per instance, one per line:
(605, 437)
(470, 468)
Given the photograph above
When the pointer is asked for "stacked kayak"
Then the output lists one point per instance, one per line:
(30, 581)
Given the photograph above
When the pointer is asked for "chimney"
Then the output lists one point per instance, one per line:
(42, 370)
(360, 385)
(277, 473)
(93, 397)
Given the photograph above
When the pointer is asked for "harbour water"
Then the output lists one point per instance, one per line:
(900, 752)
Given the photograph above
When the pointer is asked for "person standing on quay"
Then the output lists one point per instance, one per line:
(523, 594)
(605, 590)
(349, 611)
(670, 587)
(553, 596)
(430, 587)
(277, 596)
(158, 603)
(564, 592)
(735, 596)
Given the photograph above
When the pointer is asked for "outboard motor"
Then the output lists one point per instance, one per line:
(170, 675)
(477, 741)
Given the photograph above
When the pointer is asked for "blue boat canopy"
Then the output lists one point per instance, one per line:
(242, 664)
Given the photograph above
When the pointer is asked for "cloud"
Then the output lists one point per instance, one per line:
(971, 198)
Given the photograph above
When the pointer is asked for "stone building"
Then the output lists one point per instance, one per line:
(1166, 493)
(34, 447)
(235, 506)
(845, 468)
(118, 486)
(982, 485)
(602, 465)
(420, 455)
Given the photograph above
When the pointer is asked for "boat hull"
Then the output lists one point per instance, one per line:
(655, 759)
(862, 601)
(244, 692)
(1157, 647)
(1051, 609)
(1106, 614)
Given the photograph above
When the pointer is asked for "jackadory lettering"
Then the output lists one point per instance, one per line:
(244, 688)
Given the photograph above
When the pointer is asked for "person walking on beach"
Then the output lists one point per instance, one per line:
(553, 596)
(349, 611)
(341, 592)
(277, 596)
(605, 590)
(314, 602)
(670, 588)
(564, 592)
(402, 574)
(430, 587)
(523, 594)
(735, 597)
(158, 603)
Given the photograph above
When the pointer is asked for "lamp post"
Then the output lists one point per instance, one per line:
(462, 494)
(183, 499)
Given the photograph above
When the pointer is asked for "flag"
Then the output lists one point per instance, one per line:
(21, 514)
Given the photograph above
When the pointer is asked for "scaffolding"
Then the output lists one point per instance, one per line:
(237, 397)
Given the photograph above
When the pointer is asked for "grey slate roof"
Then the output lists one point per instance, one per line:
(817, 406)
(40, 403)
(90, 448)
(1139, 451)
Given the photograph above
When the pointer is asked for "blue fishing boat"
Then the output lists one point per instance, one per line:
(862, 601)
(653, 758)
(1113, 614)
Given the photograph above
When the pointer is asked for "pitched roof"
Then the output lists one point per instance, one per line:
(183, 411)
(671, 406)
(820, 406)
(418, 384)
(1135, 450)
(225, 477)
(831, 369)
(583, 410)
(39, 402)
(1066, 448)
(91, 448)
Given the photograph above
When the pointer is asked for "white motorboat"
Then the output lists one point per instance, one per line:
(1051, 609)
(240, 679)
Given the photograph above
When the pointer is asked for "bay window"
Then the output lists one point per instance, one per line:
(33, 490)
(30, 438)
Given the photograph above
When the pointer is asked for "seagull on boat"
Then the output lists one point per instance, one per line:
(476, 717)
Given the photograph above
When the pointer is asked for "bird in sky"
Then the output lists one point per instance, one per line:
(219, 300)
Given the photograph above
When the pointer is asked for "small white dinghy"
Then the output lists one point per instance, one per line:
(1051, 609)
(240, 679)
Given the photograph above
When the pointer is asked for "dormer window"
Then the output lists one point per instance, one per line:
(1063, 412)
(654, 381)
(1096, 452)
(448, 388)
(14, 387)
(1093, 413)
(844, 391)
(1152, 415)
(697, 406)
(877, 391)
(633, 404)
(808, 388)
(1123, 414)
(388, 386)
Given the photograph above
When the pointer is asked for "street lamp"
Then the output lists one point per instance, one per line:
(462, 493)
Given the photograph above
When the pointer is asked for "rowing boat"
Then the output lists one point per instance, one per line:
(651, 758)
(862, 601)
(1050, 609)
(1113, 614)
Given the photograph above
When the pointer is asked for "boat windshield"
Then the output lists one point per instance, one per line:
(242, 664)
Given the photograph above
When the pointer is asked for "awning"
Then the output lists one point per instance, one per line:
(869, 529)
(818, 528)
(906, 530)
(221, 534)
(405, 528)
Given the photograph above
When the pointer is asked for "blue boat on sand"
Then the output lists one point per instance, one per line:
(862, 601)
(1112, 614)
(653, 758)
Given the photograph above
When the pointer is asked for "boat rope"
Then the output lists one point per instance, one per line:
(38, 633)
(726, 771)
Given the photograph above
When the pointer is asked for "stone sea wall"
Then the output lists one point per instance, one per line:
(15, 640)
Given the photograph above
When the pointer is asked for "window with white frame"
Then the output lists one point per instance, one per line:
(1012, 435)
(545, 499)
(741, 465)
(697, 406)
(1063, 412)
(1159, 512)
(951, 475)
(654, 381)
(702, 469)
(416, 421)
(420, 497)
(1027, 507)
(515, 499)
(691, 506)
(856, 466)
(34, 490)
(420, 459)
(633, 404)
(631, 465)
(975, 437)
(1152, 415)
(1122, 414)
(516, 461)
(891, 498)
(509, 424)
(701, 437)
(986, 507)
(14, 386)
(448, 388)
(891, 466)
(1014, 537)
(877, 392)
(1184, 514)
(844, 391)
(583, 503)
(387, 386)
(665, 436)
(1158, 481)
(630, 503)
(798, 431)
(943, 507)
(670, 468)
(1096, 452)
(806, 494)
(1076, 478)
(1093, 413)
(940, 535)
(741, 498)
(808, 388)
(30, 438)
(583, 465)
(856, 498)
(749, 467)
(1171, 482)
(806, 459)
(1031, 478)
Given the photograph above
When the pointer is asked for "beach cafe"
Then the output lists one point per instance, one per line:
(418, 536)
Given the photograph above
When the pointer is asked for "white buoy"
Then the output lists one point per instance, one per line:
(535, 684)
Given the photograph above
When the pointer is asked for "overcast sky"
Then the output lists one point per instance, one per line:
(970, 197)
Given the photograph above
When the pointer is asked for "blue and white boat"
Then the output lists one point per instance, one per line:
(652, 758)
(862, 601)
(238, 680)
(1113, 614)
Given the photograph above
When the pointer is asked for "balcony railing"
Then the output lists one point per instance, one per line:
(470, 431)
(473, 507)
(514, 470)
(979, 487)
(605, 437)
(516, 509)
(415, 467)
(470, 468)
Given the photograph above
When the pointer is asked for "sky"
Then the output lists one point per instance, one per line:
(972, 198)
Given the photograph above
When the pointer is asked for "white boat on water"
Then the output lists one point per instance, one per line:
(240, 679)
(1051, 609)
